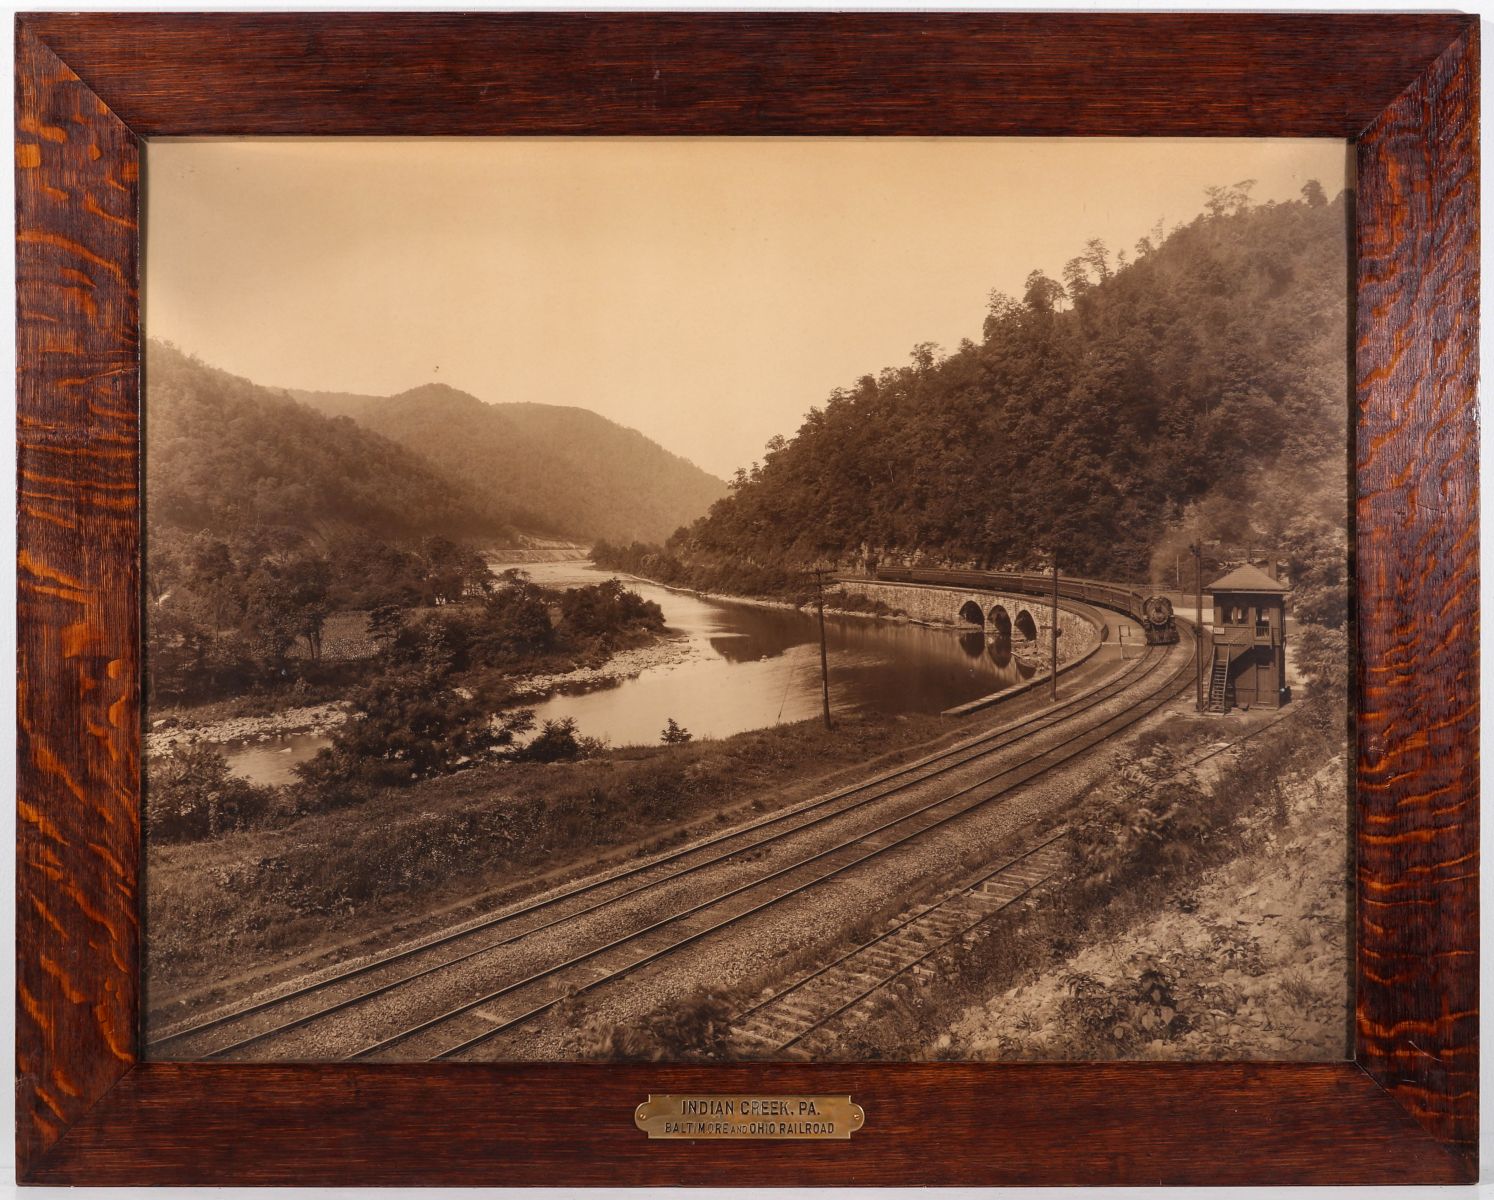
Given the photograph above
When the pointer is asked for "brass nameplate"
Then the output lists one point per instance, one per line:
(795, 1117)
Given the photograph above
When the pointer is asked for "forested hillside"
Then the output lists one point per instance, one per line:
(1192, 386)
(555, 469)
(229, 458)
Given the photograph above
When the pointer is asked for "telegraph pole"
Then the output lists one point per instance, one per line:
(1053, 673)
(1198, 629)
(819, 581)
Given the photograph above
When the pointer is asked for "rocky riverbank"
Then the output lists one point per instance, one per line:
(309, 718)
(183, 728)
(625, 664)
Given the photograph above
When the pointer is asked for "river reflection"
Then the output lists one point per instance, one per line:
(747, 667)
(750, 667)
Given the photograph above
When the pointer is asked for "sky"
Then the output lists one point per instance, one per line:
(706, 291)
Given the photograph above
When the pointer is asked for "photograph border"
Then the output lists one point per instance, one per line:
(91, 88)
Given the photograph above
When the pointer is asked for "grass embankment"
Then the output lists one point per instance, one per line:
(1204, 917)
(249, 901)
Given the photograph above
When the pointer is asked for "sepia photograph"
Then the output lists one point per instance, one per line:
(747, 599)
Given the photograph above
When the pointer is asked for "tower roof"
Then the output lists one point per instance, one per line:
(1247, 578)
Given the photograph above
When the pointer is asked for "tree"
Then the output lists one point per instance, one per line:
(518, 621)
(407, 724)
(608, 610)
(924, 355)
(453, 571)
(1226, 201)
(1312, 192)
(1041, 294)
(1098, 259)
(271, 620)
(306, 582)
(385, 624)
(1076, 277)
(557, 741)
(191, 794)
(176, 649)
(674, 734)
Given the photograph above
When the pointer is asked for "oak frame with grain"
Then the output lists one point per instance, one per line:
(91, 87)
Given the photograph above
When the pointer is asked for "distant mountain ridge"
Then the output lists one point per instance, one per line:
(227, 456)
(551, 468)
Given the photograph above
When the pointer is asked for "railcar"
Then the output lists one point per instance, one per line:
(1153, 613)
(1109, 595)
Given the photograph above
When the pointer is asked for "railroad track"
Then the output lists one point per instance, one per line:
(780, 1022)
(241, 1028)
(466, 1027)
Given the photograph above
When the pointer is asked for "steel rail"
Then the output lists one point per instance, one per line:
(949, 759)
(1104, 729)
(952, 898)
(896, 928)
(903, 970)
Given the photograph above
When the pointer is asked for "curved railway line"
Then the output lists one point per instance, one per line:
(963, 802)
(558, 907)
(781, 1021)
(258, 1025)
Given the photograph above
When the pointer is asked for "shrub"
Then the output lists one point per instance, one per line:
(859, 602)
(1323, 655)
(557, 741)
(190, 794)
(408, 724)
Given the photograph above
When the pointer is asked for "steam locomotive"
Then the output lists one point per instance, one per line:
(1157, 620)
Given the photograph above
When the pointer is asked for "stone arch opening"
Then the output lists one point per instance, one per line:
(1000, 621)
(1025, 626)
(970, 613)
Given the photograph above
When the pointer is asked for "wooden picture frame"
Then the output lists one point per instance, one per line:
(92, 87)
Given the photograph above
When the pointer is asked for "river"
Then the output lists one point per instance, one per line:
(741, 666)
(750, 666)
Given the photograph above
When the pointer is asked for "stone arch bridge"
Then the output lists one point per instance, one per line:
(999, 614)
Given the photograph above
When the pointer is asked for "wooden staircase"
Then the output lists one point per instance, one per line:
(1219, 681)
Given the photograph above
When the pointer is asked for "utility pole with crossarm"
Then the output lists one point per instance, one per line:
(819, 583)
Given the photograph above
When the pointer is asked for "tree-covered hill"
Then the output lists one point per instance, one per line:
(229, 458)
(1195, 386)
(555, 469)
